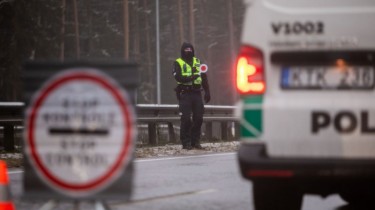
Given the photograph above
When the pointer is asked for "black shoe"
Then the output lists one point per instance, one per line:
(187, 147)
(198, 146)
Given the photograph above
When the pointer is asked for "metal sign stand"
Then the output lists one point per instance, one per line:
(52, 204)
(101, 205)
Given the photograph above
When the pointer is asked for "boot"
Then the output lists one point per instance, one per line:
(187, 147)
(198, 146)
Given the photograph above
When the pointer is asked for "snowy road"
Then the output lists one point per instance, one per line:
(189, 182)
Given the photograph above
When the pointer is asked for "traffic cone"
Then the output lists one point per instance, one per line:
(5, 197)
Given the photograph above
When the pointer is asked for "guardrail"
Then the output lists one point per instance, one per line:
(154, 114)
(11, 115)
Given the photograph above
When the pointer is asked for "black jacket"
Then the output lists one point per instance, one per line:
(177, 71)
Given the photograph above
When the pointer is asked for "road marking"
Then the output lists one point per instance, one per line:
(15, 172)
(184, 157)
(157, 159)
(164, 197)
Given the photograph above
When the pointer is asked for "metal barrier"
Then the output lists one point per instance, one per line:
(11, 115)
(154, 114)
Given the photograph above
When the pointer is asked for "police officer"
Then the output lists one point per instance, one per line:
(189, 94)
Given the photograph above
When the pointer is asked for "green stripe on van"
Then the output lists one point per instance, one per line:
(252, 121)
(253, 100)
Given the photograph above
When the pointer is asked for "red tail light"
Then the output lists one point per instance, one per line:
(250, 71)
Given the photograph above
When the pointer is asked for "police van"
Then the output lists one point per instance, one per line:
(306, 75)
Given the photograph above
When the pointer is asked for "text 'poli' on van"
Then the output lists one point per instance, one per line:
(306, 76)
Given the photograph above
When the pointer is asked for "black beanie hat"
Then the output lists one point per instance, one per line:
(183, 54)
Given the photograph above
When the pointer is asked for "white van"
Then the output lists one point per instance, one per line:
(306, 76)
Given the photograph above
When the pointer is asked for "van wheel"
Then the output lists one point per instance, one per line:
(274, 195)
(358, 196)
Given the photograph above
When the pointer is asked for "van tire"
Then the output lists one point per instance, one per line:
(275, 194)
(358, 196)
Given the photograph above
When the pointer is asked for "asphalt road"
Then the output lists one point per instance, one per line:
(189, 182)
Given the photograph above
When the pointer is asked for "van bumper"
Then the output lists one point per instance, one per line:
(255, 164)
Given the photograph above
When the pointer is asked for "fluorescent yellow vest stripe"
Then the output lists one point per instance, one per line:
(186, 70)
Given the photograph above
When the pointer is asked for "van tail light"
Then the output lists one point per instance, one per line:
(249, 70)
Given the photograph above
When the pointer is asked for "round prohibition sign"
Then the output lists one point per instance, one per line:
(80, 157)
(203, 68)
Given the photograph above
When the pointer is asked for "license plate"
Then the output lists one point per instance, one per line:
(321, 77)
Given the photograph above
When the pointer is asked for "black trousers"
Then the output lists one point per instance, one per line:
(191, 110)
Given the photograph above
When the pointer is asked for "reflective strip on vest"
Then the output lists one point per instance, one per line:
(186, 71)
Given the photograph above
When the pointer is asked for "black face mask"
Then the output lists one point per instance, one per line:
(187, 51)
(188, 54)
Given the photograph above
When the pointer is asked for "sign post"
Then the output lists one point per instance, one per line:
(80, 129)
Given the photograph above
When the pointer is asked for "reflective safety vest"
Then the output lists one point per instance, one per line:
(186, 71)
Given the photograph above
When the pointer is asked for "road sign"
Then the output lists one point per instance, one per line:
(79, 132)
(203, 68)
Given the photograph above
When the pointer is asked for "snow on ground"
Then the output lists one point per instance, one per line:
(169, 150)
(176, 150)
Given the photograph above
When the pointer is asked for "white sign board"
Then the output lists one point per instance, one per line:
(79, 132)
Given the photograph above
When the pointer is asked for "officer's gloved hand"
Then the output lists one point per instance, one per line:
(178, 96)
(178, 93)
(207, 97)
(194, 77)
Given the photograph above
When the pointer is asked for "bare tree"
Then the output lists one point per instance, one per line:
(62, 33)
(89, 27)
(149, 79)
(231, 29)
(180, 22)
(148, 44)
(53, 29)
(137, 35)
(231, 40)
(126, 30)
(76, 25)
(192, 23)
